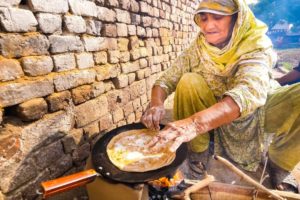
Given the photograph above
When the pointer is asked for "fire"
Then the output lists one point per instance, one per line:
(166, 182)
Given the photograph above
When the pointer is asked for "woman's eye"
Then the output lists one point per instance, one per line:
(218, 17)
(203, 18)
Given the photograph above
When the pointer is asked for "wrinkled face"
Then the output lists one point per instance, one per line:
(216, 28)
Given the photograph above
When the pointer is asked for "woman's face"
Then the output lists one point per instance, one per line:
(216, 28)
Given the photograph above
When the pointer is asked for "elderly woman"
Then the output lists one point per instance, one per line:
(223, 82)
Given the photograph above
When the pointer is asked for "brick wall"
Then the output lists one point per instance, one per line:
(71, 70)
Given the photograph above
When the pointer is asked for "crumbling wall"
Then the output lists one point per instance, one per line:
(71, 70)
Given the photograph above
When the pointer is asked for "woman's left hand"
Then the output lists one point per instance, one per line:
(175, 133)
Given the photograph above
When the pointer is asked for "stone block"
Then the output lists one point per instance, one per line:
(113, 56)
(106, 122)
(98, 88)
(84, 60)
(135, 54)
(67, 43)
(131, 30)
(49, 23)
(37, 65)
(130, 118)
(64, 62)
(91, 111)
(72, 140)
(74, 24)
(144, 99)
(100, 58)
(14, 178)
(108, 85)
(128, 109)
(14, 45)
(133, 42)
(106, 15)
(141, 31)
(73, 79)
(122, 30)
(10, 69)
(136, 103)
(134, 6)
(131, 78)
(120, 81)
(124, 57)
(53, 6)
(117, 115)
(138, 114)
(95, 43)
(123, 16)
(125, 4)
(117, 98)
(58, 101)
(32, 110)
(49, 154)
(109, 30)
(140, 74)
(144, 7)
(137, 89)
(91, 130)
(18, 92)
(112, 44)
(93, 27)
(61, 165)
(121, 123)
(83, 8)
(143, 52)
(155, 12)
(155, 32)
(146, 21)
(123, 44)
(17, 20)
(82, 94)
(8, 3)
(81, 153)
(149, 32)
(130, 67)
(106, 72)
(46, 130)
(143, 63)
(147, 72)
(135, 19)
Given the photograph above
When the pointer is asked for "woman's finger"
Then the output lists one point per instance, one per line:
(176, 144)
(168, 134)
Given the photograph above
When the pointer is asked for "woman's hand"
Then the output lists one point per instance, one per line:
(152, 116)
(175, 133)
(155, 112)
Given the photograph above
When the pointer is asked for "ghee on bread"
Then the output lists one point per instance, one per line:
(127, 151)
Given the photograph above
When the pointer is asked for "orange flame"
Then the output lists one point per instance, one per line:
(165, 182)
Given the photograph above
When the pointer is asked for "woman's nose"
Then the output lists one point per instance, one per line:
(210, 25)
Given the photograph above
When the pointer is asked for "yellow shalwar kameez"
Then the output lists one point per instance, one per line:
(204, 74)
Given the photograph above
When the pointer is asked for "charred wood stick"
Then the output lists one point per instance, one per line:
(247, 178)
(201, 184)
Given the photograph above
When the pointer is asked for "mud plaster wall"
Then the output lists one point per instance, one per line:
(71, 70)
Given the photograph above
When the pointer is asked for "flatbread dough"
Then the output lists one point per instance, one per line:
(127, 152)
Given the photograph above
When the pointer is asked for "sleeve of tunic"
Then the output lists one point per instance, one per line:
(250, 85)
(182, 64)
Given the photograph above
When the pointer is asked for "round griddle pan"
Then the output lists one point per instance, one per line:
(105, 167)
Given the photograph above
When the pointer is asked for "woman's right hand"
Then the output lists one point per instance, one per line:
(153, 115)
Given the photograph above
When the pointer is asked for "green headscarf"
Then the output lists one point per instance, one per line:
(248, 38)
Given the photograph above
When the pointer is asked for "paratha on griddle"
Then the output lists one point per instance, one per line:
(127, 151)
